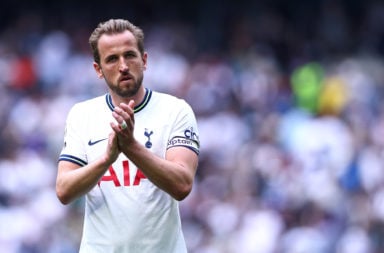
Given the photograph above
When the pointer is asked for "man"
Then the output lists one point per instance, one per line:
(133, 152)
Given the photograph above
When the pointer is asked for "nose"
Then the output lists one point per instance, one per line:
(123, 66)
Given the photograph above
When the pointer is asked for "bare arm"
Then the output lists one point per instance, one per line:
(174, 174)
(74, 181)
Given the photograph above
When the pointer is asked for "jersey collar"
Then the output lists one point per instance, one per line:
(139, 107)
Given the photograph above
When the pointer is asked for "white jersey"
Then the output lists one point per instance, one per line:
(125, 212)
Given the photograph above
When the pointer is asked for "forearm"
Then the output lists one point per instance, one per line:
(174, 178)
(74, 183)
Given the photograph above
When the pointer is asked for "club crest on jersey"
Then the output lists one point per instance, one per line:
(148, 143)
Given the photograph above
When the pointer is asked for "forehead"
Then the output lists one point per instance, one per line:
(113, 43)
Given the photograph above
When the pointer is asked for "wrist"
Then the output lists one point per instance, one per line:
(105, 161)
(130, 148)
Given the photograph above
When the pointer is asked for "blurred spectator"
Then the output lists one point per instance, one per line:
(289, 102)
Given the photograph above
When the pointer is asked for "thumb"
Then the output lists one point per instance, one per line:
(131, 104)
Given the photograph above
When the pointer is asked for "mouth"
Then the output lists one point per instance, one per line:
(125, 78)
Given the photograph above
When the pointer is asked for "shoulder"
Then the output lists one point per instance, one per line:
(172, 108)
(89, 103)
(85, 107)
(168, 100)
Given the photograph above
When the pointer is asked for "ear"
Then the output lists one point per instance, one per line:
(98, 70)
(144, 58)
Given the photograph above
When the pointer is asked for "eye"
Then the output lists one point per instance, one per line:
(111, 59)
(130, 54)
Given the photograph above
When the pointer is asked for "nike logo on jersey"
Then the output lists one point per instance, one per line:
(91, 143)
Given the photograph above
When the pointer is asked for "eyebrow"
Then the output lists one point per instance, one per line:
(109, 57)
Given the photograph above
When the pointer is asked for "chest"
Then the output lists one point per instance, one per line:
(151, 132)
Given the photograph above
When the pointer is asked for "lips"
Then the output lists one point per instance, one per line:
(125, 78)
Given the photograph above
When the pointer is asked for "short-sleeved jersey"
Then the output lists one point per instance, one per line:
(125, 212)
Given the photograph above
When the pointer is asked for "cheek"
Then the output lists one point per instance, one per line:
(140, 67)
(109, 72)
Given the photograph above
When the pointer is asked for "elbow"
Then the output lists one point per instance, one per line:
(182, 192)
(63, 199)
(62, 196)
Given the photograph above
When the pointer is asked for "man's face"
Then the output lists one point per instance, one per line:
(121, 63)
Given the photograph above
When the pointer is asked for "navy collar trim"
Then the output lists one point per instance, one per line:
(139, 107)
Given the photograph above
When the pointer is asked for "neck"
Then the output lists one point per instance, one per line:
(137, 98)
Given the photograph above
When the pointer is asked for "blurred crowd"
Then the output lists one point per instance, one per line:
(290, 111)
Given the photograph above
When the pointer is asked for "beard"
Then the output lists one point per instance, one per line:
(126, 91)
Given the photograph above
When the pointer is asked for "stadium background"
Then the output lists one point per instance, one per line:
(288, 96)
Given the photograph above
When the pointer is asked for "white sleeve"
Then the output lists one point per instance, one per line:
(185, 132)
(74, 149)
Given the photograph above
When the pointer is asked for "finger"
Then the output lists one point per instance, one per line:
(124, 111)
(131, 104)
(112, 140)
(120, 126)
(123, 125)
(121, 117)
(130, 107)
(115, 127)
(113, 147)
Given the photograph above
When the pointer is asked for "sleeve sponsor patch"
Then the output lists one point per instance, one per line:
(184, 142)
